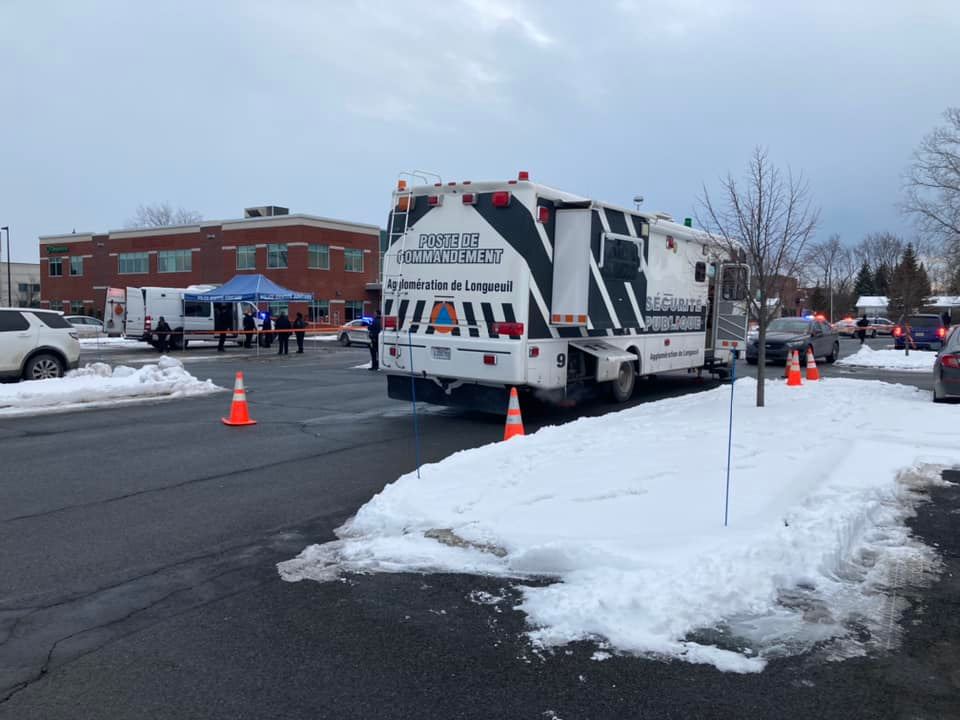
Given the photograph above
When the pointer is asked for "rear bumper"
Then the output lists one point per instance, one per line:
(778, 355)
(475, 396)
(919, 345)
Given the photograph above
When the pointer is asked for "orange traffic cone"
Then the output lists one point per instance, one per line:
(793, 379)
(514, 425)
(239, 415)
(812, 373)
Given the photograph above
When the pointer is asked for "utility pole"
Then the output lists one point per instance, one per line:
(9, 282)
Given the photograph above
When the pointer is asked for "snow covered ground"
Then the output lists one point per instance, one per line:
(98, 384)
(625, 512)
(916, 361)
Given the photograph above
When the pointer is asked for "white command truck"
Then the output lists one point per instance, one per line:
(493, 285)
(188, 319)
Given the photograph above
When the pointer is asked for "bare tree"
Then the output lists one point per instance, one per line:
(881, 249)
(768, 216)
(932, 185)
(827, 264)
(162, 215)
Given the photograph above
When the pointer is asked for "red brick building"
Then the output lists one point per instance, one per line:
(335, 260)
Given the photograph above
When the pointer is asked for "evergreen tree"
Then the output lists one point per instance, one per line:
(864, 282)
(881, 279)
(819, 301)
(909, 285)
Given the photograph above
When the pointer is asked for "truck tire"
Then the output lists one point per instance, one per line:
(43, 367)
(621, 388)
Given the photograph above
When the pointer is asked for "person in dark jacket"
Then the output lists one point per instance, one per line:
(374, 332)
(300, 326)
(249, 325)
(946, 318)
(163, 335)
(221, 322)
(265, 328)
(862, 325)
(283, 334)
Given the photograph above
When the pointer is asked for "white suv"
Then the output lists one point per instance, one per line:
(36, 344)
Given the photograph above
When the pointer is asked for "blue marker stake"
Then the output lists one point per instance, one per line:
(733, 382)
(413, 397)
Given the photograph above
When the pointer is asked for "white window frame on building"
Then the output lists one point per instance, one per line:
(55, 263)
(76, 265)
(319, 311)
(350, 257)
(318, 257)
(277, 254)
(276, 308)
(352, 309)
(249, 255)
(174, 261)
(77, 307)
(128, 259)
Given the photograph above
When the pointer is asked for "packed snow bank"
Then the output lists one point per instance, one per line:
(98, 384)
(916, 361)
(626, 512)
(105, 341)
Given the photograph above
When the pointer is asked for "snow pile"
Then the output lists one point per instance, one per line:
(99, 384)
(105, 341)
(626, 512)
(916, 361)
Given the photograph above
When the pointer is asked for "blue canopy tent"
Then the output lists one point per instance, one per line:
(252, 288)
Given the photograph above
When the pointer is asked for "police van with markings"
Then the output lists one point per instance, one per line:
(493, 285)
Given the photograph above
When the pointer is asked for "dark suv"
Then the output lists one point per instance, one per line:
(923, 332)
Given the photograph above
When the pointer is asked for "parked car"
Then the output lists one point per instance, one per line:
(784, 335)
(85, 325)
(925, 331)
(36, 344)
(880, 326)
(846, 327)
(355, 331)
(946, 369)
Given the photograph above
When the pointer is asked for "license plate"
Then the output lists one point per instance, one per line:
(440, 353)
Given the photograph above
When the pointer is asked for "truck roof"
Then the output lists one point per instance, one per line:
(656, 220)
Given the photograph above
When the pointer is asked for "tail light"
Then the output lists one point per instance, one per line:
(543, 214)
(393, 351)
(534, 351)
(390, 322)
(501, 198)
(508, 328)
(434, 200)
(897, 331)
(942, 332)
(469, 199)
(489, 359)
(950, 361)
(147, 322)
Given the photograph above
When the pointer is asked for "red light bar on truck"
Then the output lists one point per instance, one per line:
(469, 199)
(501, 199)
(508, 328)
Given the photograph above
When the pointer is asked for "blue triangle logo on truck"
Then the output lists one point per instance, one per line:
(444, 314)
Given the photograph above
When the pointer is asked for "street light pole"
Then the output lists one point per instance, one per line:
(9, 283)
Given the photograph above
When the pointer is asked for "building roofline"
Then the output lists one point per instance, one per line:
(234, 224)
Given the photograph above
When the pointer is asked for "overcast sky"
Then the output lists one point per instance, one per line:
(316, 105)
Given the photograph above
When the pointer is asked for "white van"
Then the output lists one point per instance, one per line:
(188, 319)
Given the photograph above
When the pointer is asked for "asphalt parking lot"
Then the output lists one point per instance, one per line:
(138, 574)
